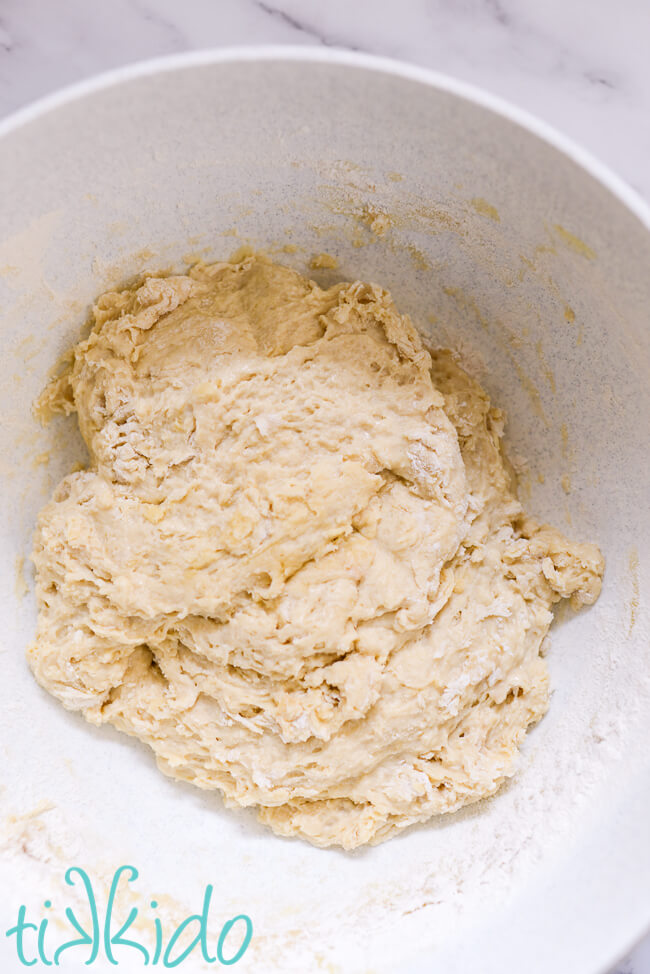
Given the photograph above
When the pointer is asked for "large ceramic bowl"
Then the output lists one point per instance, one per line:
(501, 239)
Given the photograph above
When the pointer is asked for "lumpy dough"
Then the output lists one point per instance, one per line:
(296, 565)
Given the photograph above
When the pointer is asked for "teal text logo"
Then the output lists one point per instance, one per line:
(33, 943)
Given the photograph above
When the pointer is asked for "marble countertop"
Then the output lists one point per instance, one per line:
(581, 65)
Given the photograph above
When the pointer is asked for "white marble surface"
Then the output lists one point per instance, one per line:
(582, 65)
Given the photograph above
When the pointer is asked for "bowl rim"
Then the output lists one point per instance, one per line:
(308, 53)
(616, 185)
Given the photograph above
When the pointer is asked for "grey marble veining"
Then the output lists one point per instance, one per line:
(581, 65)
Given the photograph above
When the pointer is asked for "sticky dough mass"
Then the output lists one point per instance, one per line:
(296, 565)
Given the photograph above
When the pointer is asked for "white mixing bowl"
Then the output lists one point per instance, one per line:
(501, 239)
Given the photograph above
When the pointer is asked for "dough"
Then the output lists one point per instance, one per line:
(296, 565)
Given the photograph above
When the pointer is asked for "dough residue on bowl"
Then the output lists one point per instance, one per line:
(296, 565)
